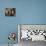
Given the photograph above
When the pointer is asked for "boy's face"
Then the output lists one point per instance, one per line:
(10, 12)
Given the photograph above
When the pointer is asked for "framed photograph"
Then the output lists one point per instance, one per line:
(10, 11)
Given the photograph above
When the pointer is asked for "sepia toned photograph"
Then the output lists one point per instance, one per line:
(10, 11)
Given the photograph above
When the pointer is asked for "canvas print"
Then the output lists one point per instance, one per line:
(10, 11)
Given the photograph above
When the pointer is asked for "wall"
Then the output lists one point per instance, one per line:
(27, 12)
